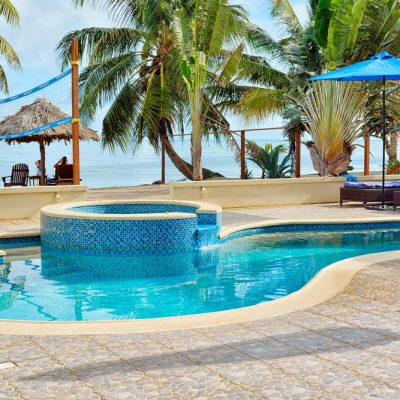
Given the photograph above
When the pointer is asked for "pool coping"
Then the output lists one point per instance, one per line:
(228, 231)
(328, 283)
(62, 210)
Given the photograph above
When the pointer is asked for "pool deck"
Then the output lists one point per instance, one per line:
(232, 217)
(345, 348)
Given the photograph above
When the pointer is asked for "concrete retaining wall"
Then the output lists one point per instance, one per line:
(26, 202)
(263, 192)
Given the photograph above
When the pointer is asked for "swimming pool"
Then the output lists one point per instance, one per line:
(235, 273)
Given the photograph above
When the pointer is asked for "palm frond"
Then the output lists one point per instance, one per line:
(9, 12)
(259, 103)
(9, 53)
(283, 11)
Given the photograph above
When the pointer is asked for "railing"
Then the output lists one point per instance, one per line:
(241, 133)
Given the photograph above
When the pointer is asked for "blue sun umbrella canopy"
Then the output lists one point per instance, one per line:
(383, 66)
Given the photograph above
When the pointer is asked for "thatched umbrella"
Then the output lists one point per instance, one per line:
(40, 113)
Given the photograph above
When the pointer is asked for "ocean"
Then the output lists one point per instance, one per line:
(100, 168)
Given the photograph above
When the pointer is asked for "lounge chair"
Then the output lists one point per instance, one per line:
(368, 192)
(396, 199)
(19, 176)
(63, 176)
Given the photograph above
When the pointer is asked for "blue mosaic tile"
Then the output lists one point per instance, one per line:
(132, 237)
(7, 243)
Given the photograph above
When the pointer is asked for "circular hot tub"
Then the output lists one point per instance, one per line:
(130, 227)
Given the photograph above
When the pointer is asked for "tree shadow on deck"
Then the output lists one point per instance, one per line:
(261, 349)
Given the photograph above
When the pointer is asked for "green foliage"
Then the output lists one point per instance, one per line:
(166, 66)
(11, 17)
(270, 160)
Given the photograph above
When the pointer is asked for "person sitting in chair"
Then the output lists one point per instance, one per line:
(38, 164)
(61, 161)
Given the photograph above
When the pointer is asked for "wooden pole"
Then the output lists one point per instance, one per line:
(298, 154)
(367, 152)
(75, 112)
(43, 163)
(162, 162)
(242, 154)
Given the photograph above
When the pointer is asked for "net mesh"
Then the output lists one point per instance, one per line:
(19, 117)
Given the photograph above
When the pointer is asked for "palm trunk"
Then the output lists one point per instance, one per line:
(391, 147)
(180, 164)
(196, 158)
(196, 105)
(197, 133)
(183, 166)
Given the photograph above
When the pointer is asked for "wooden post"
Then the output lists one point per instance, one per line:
(243, 155)
(367, 152)
(298, 154)
(43, 162)
(162, 162)
(75, 111)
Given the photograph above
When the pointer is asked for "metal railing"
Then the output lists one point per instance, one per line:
(368, 152)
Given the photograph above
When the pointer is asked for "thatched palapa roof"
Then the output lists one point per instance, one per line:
(40, 113)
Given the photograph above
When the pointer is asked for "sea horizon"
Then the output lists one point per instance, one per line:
(100, 168)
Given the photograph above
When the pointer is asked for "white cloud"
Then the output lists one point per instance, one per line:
(43, 24)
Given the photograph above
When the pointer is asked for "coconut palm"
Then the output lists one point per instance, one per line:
(149, 72)
(133, 72)
(11, 16)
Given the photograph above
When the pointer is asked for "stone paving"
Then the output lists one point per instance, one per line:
(347, 348)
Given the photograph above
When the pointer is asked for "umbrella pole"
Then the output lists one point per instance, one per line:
(43, 162)
(384, 140)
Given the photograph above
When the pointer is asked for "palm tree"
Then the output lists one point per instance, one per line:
(337, 33)
(133, 71)
(352, 30)
(268, 159)
(299, 57)
(203, 61)
(355, 30)
(334, 119)
(11, 16)
(137, 70)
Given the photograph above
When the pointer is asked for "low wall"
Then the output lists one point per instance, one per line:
(263, 192)
(26, 202)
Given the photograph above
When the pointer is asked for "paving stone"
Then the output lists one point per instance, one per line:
(347, 348)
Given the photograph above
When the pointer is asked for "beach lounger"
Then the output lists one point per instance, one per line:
(368, 192)
(19, 176)
(396, 199)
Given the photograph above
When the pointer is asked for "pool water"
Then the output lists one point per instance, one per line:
(236, 273)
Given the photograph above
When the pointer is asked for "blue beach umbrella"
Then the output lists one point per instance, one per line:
(382, 67)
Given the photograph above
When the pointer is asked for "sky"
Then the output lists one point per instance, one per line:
(45, 22)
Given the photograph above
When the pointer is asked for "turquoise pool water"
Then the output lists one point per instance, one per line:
(237, 273)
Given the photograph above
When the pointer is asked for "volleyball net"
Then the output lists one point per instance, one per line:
(41, 108)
